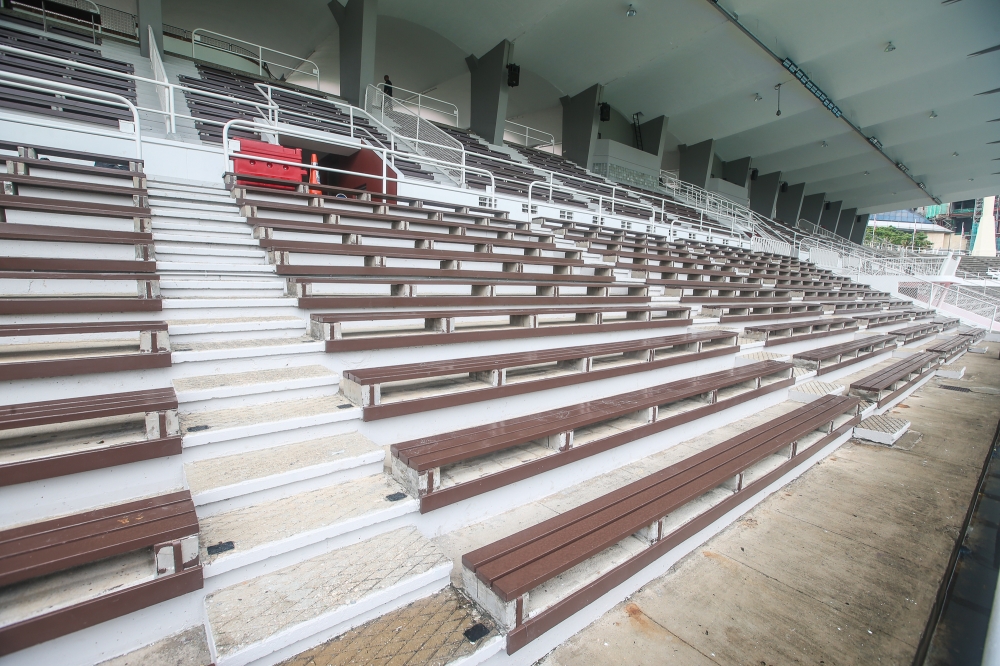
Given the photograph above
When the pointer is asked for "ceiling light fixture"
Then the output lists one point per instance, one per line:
(889, 48)
(971, 179)
(823, 144)
(932, 116)
(757, 97)
(778, 88)
(954, 154)
(867, 174)
(631, 12)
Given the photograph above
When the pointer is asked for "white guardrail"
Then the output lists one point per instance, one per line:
(208, 39)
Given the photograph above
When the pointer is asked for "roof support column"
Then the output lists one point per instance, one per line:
(150, 16)
(357, 22)
(789, 203)
(859, 228)
(489, 91)
(696, 163)
(581, 119)
(764, 193)
(830, 216)
(812, 208)
(845, 222)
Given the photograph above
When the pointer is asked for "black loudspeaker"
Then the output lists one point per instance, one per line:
(513, 75)
(605, 112)
(826, 206)
(753, 174)
(784, 187)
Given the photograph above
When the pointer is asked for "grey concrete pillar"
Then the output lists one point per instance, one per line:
(489, 91)
(581, 119)
(150, 16)
(830, 215)
(654, 135)
(812, 207)
(789, 204)
(357, 22)
(845, 222)
(696, 163)
(764, 193)
(859, 228)
(737, 172)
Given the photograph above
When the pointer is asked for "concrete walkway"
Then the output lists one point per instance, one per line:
(840, 567)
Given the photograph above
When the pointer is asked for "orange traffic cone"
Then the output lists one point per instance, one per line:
(314, 176)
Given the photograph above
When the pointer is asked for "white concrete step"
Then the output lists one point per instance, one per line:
(209, 253)
(277, 528)
(226, 390)
(226, 425)
(247, 478)
(198, 239)
(186, 352)
(199, 204)
(178, 185)
(162, 193)
(242, 325)
(178, 265)
(234, 228)
(281, 613)
(194, 215)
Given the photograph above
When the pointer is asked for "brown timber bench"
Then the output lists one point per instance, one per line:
(505, 576)
(141, 240)
(146, 298)
(784, 333)
(389, 329)
(454, 466)
(25, 155)
(974, 333)
(80, 357)
(735, 312)
(65, 207)
(733, 293)
(951, 348)
(158, 535)
(879, 319)
(827, 359)
(418, 387)
(946, 322)
(138, 194)
(851, 307)
(887, 384)
(916, 332)
(158, 437)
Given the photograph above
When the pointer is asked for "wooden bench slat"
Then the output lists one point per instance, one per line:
(85, 408)
(64, 207)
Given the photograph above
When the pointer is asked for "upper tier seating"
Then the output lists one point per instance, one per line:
(658, 512)
(453, 466)
(306, 109)
(131, 556)
(12, 97)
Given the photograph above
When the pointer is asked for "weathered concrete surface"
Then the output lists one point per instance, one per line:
(840, 567)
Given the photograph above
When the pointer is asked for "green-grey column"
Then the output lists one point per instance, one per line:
(812, 207)
(581, 119)
(150, 16)
(764, 193)
(789, 204)
(489, 91)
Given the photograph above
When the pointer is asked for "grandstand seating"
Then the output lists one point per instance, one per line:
(481, 348)
(502, 575)
(12, 97)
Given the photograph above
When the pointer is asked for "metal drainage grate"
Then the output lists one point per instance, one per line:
(961, 389)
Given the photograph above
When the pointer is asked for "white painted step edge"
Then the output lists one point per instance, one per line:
(276, 480)
(187, 303)
(184, 397)
(318, 630)
(240, 326)
(303, 539)
(228, 434)
(247, 352)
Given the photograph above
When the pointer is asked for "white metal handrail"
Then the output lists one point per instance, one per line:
(76, 92)
(527, 135)
(196, 39)
(419, 104)
(334, 139)
(408, 127)
(160, 74)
